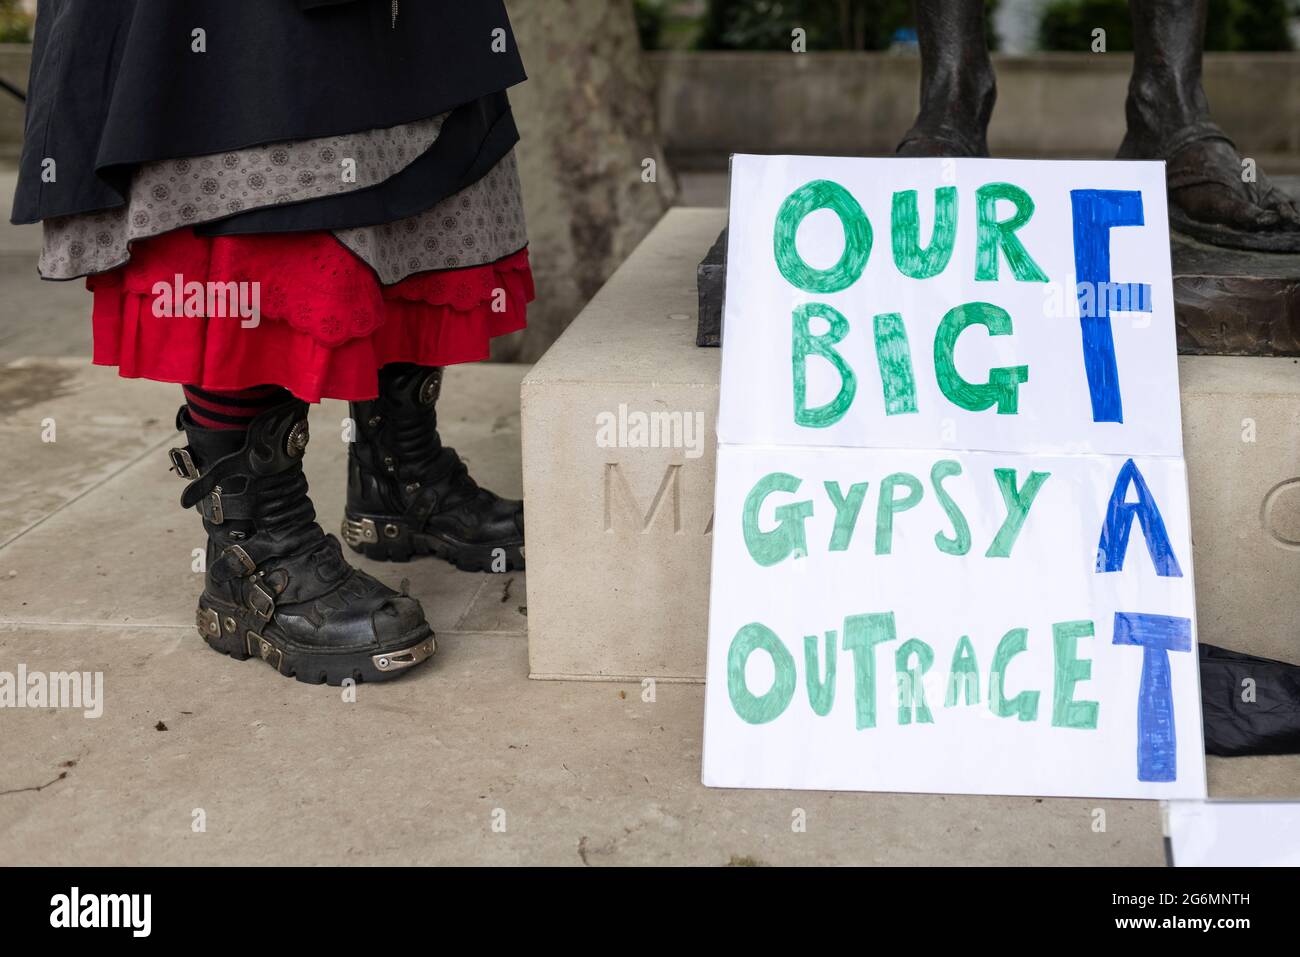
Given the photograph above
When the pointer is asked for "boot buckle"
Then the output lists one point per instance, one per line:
(260, 600)
(183, 464)
(214, 513)
(255, 644)
(357, 531)
(246, 563)
(405, 658)
(209, 622)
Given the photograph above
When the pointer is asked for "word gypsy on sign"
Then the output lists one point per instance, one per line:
(899, 492)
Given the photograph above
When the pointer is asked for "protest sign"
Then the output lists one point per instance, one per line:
(951, 542)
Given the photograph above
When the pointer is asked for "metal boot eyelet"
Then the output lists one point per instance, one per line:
(296, 443)
(430, 388)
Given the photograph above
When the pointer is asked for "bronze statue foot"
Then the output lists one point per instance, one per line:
(944, 141)
(1212, 199)
(958, 88)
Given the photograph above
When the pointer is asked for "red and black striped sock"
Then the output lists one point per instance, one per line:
(210, 409)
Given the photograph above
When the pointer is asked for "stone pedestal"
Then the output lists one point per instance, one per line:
(1233, 302)
(619, 537)
(1241, 439)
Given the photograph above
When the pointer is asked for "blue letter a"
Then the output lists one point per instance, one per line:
(1119, 521)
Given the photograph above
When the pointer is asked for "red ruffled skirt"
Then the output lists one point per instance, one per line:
(325, 324)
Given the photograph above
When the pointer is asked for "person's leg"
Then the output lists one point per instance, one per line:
(408, 494)
(275, 585)
(231, 411)
(958, 89)
(1169, 118)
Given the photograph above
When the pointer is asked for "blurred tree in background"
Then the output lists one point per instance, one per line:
(1248, 25)
(1231, 25)
(15, 23)
(830, 24)
(650, 16)
(588, 128)
(1068, 24)
(767, 24)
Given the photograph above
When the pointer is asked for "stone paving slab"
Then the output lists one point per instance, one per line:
(39, 318)
(419, 770)
(100, 427)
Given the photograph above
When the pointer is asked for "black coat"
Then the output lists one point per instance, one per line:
(115, 83)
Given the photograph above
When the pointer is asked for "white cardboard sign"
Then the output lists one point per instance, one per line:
(1233, 833)
(951, 544)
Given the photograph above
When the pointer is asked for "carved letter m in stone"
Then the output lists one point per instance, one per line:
(669, 491)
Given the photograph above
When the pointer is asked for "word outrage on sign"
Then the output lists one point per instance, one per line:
(942, 501)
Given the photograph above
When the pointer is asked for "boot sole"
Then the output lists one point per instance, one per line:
(231, 631)
(386, 539)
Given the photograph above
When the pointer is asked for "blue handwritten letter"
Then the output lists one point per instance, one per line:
(1119, 521)
(1157, 753)
(1095, 212)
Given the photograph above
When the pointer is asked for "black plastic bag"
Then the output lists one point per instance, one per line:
(1250, 705)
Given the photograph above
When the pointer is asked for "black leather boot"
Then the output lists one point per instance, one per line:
(276, 585)
(408, 494)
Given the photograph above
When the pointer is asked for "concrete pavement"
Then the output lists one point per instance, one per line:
(465, 761)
